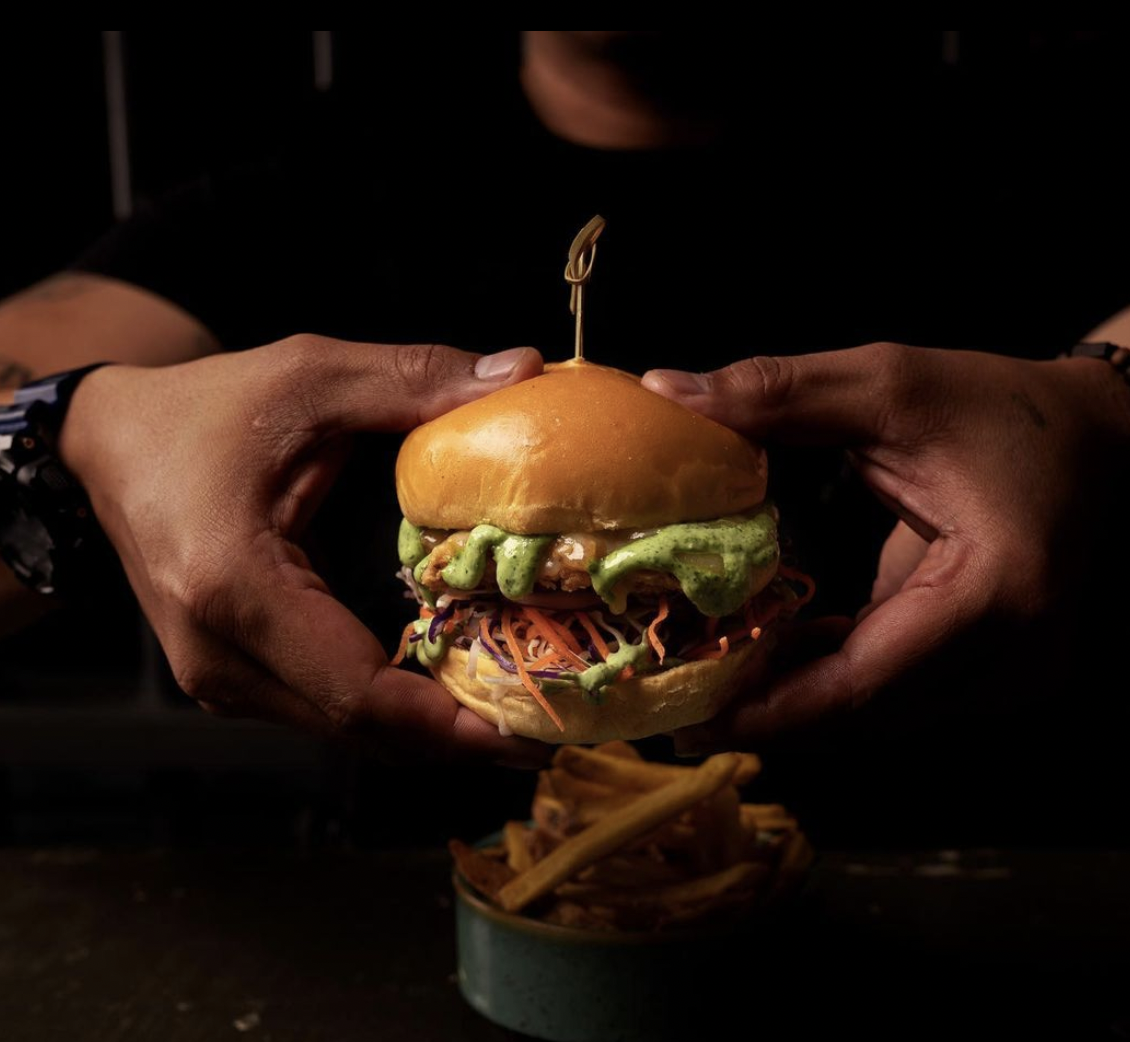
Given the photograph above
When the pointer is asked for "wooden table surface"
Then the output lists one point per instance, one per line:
(271, 946)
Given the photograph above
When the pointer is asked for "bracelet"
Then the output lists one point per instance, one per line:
(1116, 354)
(49, 535)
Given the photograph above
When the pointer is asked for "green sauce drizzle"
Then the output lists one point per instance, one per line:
(517, 558)
(718, 563)
(425, 650)
(410, 544)
(603, 673)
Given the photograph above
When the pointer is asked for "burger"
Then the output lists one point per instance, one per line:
(590, 560)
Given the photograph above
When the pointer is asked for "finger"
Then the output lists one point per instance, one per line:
(281, 613)
(896, 640)
(798, 644)
(837, 397)
(903, 551)
(388, 387)
(241, 688)
(801, 642)
(226, 682)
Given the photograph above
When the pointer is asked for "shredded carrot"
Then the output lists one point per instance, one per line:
(755, 633)
(627, 673)
(652, 630)
(594, 635)
(523, 674)
(402, 650)
(487, 639)
(721, 652)
(555, 636)
(565, 632)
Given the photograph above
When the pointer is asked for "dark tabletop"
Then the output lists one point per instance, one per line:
(274, 946)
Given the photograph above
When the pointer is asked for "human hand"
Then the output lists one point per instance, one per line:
(903, 551)
(205, 476)
(1004, 474)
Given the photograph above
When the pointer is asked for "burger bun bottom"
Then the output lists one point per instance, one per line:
(637, 708)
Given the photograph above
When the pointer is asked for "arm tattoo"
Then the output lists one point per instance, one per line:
(1030, 409)
(62, 287)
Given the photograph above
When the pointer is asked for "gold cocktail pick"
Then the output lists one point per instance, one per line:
(578, 270)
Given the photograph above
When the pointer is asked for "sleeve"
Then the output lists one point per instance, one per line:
(224, 248)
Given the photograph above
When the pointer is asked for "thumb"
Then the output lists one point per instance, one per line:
(391, 387)
(836, 397)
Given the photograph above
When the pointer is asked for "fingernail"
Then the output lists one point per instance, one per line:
(497, 368)
(681, 382)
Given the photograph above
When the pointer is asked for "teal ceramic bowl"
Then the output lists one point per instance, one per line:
(572, 985)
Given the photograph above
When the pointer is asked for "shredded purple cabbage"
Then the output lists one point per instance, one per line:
(435, 627)
(509, 667)
(505, 663)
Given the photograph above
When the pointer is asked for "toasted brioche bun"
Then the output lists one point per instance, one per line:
(581, 448)
(636, 708)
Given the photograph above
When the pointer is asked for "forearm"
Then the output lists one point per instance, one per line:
(73, 319)
(1115, 330)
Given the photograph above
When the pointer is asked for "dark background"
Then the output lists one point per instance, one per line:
(95, 745)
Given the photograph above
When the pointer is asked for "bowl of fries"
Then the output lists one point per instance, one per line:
(622, 908)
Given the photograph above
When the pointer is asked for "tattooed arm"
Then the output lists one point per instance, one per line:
(72, 319)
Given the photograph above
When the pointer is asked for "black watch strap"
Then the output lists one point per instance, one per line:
(48, 534)
(1116, 354)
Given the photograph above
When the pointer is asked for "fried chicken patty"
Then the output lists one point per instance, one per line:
(564, 567)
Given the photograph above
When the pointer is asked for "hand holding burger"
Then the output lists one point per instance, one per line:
(205, 482)
(1000, 586)
(591, 560)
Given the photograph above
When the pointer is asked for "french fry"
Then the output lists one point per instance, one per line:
(749, 767)
(553, 815)
(545, 785)
(675, 837)
(798, 855)
(767, 817)
(719, 832)
(569, 913)
(515, 840)
(563, 818)
(636, 869)
(618, 843)
(486, 874)
(622, 772)
(541, 843)
(591, 811)
(676, 895)
(564, 804)
(618, 829)
(619, 748)
(618, 772)
(568, 786)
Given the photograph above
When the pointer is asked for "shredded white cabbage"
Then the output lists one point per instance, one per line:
(473, 658)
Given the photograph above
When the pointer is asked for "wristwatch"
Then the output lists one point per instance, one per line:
(48, 533)
(1116, 354)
